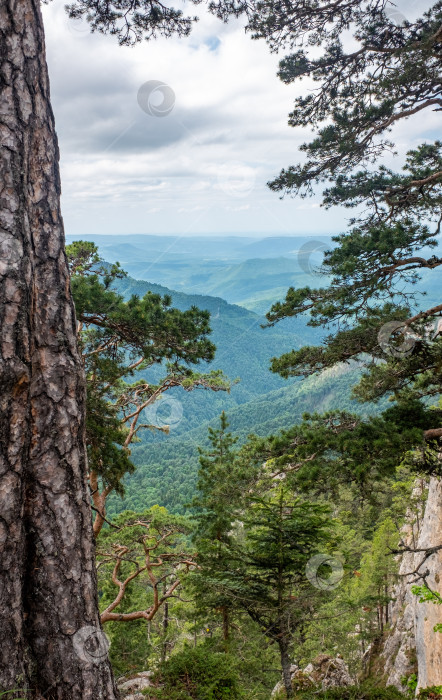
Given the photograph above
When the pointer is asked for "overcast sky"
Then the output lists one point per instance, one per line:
(201, 168)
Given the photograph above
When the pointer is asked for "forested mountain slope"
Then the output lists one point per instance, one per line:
(244, 348)
(167, 466)
(260, 402)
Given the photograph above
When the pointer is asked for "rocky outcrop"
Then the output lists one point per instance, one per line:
(323, 672)
(329, 672)
(398, 656)
(412, 646)
(130, 689)
(428, 642)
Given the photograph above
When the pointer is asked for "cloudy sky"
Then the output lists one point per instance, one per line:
(200, 168)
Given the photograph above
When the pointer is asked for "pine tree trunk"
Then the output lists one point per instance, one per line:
(47, 575)
(285, 664)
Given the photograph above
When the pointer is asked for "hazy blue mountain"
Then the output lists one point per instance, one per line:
(228, 248)
(250, 272)
(287, 246)
(261, 402)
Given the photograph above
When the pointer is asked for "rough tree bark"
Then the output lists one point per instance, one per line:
(286, 664)
(47, 576)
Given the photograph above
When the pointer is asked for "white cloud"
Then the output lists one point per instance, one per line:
(201, 169)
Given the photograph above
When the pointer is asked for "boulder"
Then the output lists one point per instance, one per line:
(329, 672)
(324, 672)
(129, 688)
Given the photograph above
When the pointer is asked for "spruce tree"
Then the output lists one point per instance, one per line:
(222, 480)
(263, 570)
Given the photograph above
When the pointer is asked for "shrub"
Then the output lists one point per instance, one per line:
(433, 693)
(200, 674)
(352, 693)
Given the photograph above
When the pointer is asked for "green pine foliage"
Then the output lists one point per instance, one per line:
(373, 304)
(122, 339)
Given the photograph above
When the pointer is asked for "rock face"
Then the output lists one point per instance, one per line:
(428, 642)
(398, 656)
(412, 644)
(325, 672)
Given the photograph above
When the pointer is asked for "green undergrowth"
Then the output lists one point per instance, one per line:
(197, 674)
(365, 692)
(353, 693)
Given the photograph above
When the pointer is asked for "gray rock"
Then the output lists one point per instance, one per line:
(324, 671)
(139, 682)
(411, 644)
(429, 643)
(329, 672)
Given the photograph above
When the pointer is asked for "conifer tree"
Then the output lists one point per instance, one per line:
(221, 485)
(372, 68)
(263, 568)
(120, 342)
(373, 305)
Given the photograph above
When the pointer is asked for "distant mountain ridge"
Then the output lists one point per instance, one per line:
(231, 248)
(244, 348)
(251, 272)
